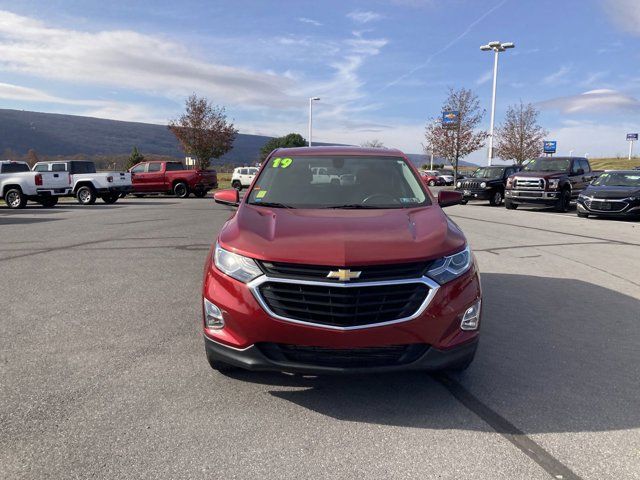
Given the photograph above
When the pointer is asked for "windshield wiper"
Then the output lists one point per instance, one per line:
(270, 204)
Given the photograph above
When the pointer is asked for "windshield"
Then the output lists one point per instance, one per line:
(338, 182)
(618, 179)
(487, 172)
(548, 165)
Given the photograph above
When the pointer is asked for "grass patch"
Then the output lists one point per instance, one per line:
(614, 163)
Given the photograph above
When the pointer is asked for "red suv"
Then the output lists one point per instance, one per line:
(358, 275)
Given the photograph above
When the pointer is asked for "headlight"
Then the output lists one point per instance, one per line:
(459, 184)
(448, 268)
(509, 182)
(236, 266)
(554, 182)
(483, 185)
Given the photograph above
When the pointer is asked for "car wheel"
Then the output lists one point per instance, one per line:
(509, 205)
(86, 195)
(200, 193)
(219, 366)
(181, 190)
(563, 203)
(583, 215)
(464, 202)
(49, 202)
(237, 185)
(496, 198)
(110, 199)
(432, 183)
(15, 198)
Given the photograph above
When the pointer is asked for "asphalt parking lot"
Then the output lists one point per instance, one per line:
(103, 374)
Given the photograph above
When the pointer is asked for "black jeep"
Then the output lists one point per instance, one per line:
(486, 183)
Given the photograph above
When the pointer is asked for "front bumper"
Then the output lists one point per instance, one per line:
(254, 358)
(539, 197)
(632, 209)
(248, 325)
(475, 194)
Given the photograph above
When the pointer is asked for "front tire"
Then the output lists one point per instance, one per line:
(509, 205)
(181, 190)
(200, 193)
(110, 199)
(432, 183)
(86, 195)
(496, 198)
(464, 202)
(563, 203)
(14, 198)
(237, 185)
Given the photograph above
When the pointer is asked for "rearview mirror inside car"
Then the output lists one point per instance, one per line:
(229, 196)
(446, 198)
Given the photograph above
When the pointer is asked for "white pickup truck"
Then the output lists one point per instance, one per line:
(88, 184)
(18, 184)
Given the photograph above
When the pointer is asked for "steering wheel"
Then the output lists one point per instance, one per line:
(393, 199)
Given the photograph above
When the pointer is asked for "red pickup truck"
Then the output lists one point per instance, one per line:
(172, 178)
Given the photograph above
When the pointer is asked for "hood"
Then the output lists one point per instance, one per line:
(603, 191)
(341, 237)
(524, 174)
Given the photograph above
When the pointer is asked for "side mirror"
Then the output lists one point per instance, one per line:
(229, 196)
(446, 198)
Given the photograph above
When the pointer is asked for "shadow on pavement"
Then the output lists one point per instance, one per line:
(555, 355)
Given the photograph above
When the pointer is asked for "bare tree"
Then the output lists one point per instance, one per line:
(32, 157)
(520, 137)
(203, 130)
(461, 140)
(375, 143)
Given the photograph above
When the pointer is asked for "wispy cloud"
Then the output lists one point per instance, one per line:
(624, 13)
(131, 60)
(594, 101)
(455, 40)
(362, 16)
(595, 79)
(485, 77)
(558, 77)
(310, 21)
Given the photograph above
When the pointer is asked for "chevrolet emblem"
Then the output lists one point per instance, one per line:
(344, 275)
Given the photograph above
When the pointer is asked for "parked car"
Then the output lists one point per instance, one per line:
(612, 194)
(19, 184)
(486, 183)
(340, 278)
(242, 177)
(447, 177)
(550, 181)
(432, 178)
(87, 183)
(171, 178)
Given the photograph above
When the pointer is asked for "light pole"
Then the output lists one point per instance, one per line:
(311, 100)
(497, 47)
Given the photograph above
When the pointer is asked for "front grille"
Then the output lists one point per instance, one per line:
(343, 306)
(344, 357)
(469, 185)
(529, 183)
(605, 205)
(369, 273)
(527, 194)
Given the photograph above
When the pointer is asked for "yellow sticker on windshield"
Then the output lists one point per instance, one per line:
(282, 162)
(261, 194)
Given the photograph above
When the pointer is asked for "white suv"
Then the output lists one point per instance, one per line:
(242, 177)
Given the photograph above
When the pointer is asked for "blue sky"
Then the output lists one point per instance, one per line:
(381, 67)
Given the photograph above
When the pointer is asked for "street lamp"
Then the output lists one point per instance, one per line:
(311, 100)
(497, 47)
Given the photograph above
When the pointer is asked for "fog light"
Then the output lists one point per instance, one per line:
(212, 316)
(471, 318)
